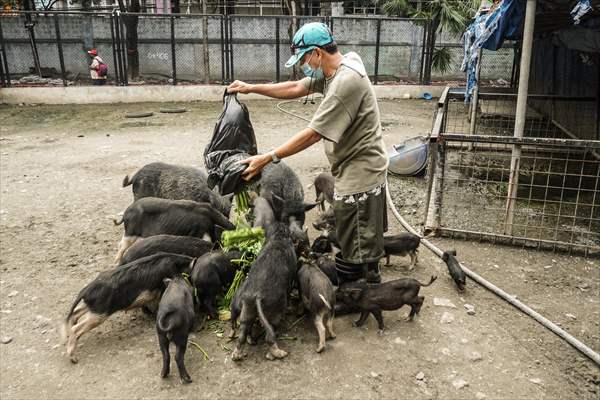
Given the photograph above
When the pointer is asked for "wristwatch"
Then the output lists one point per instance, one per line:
(274, 157)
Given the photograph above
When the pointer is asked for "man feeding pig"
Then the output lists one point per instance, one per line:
(349, 122)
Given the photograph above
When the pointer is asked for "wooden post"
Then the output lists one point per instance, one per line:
(475, 98)
(520, 116)
(433, 220)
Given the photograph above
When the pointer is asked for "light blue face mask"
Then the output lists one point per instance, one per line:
(310, 72)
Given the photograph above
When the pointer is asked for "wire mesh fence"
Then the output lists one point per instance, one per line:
(31, 40)
(547, 116)
(496, 66)
(179, 48)
(556, 204)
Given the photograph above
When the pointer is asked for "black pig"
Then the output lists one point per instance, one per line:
(211, 275)
(152, 216)
(174, 321)
(133, 285)
(401, 245)
(318, 297)
(454, 268)
(388, 296)
(324, 188)
(327, 266)
(264, 293)
(186, 245)
(175, 182)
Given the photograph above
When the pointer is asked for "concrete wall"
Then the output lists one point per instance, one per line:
(163, 93)
(254, 49)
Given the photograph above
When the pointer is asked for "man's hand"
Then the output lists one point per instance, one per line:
(255, 165)
(239, 87)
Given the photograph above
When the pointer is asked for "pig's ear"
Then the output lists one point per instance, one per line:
(309, 206)
(191, 266)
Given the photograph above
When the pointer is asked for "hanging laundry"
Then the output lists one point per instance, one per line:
(488, 31)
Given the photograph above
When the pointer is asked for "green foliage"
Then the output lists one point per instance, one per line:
(247, 240)
(446, 15)
(395, 8)
(441, 60)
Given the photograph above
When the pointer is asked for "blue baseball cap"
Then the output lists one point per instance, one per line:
(307, 38)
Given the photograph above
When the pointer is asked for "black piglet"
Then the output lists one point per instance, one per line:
(454, 268)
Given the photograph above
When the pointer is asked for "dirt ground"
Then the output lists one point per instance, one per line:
(61, 173)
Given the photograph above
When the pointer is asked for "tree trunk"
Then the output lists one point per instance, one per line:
(131, 39)
(291, 6)
(431, 39)
(205, 44)
(29, 5)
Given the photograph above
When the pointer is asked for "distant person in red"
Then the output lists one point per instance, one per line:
(98, 69)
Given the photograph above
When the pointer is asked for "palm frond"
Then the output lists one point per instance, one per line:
(452, 17)
(441, 60)
(395, 8)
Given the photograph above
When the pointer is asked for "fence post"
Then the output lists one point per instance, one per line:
(331, 24)
(423, 52)
(4, 73)
(123, 50)
(60, 50)
(225, 38)
(119, 42)
(231, 49)
(277, 55)
(173, 60)
(114, 50)
(515, 63)
(430, 180)
(205, 48)
(29, 25)
(223, 61)
(377, 45)
(434, 212)
(520, 115)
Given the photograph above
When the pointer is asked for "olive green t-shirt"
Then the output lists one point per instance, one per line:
(348, 119)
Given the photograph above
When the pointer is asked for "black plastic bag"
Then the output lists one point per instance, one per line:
(233, 140)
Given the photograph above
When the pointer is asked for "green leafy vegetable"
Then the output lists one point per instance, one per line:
(245, 239)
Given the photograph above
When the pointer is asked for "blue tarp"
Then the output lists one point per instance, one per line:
(489, 31)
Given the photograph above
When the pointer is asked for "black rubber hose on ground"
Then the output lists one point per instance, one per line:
(595, 357)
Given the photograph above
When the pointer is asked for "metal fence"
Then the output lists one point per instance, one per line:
(180, 48)
(548, 116)
(557, 202)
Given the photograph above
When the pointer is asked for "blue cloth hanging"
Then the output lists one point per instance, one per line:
(489, 31)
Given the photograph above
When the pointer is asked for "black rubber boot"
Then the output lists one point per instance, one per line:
(373, 275)
(348, 272)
